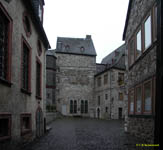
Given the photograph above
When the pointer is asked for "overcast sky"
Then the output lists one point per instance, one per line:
(103, 19)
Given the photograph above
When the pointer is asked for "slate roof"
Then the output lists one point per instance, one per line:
(116, 59)
(127, 19)
(32, 9)
(51, 52)
(78, 46)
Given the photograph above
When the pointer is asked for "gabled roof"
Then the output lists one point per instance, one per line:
(78, 46)
(30, 5)
(127, 19)
(116, 60)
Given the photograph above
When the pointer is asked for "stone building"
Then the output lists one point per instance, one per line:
(110, 94)
(76, 67)
(140, 35)
(50, 80)
(23, 43)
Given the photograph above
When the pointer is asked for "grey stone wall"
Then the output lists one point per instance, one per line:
(75, 81)
(112, 89)
(143, 69)
(12, 100)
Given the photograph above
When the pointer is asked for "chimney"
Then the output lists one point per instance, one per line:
(88, 37)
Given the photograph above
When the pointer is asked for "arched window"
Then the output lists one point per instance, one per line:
(86, 106)
(75, 106)
(82, 106)
(71, 107)
(26, 23)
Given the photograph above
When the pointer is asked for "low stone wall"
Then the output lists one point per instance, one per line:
(50, 117)
(142, 128)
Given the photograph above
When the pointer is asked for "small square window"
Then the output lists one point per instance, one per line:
(5, 126)
(121, 96)
(26, 124)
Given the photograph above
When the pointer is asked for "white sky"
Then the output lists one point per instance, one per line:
(103, 19)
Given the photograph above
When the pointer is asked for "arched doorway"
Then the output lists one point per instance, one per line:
(98, 113)
(39, 122)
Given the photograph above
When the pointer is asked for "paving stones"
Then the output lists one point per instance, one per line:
(85, 134)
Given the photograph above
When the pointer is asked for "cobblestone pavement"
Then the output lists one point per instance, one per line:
(85, 134)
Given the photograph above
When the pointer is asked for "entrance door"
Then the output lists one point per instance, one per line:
(98, 113)
(39, 123)
(120, 113)
(64, 110)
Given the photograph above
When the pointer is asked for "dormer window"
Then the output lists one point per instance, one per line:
(82, 49)
(67, 47)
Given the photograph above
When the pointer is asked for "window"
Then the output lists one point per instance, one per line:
(26, 125)
(5, 126)
(139, 99)
(82, 49)
(26, 24)
(147, 97)
(84, 106)
(99, 81)
(38, 79)
(120, 78)
(131, 51)
(99, 100)
(148, 33)
(25, 67)
(106, 96)
(131, 102)
(5, 45)
(138, 44)
(121, 96)
(67, 47)
(73, 106)
(105, 79)
(39, 47)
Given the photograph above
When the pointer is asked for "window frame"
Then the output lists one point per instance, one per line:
(154, 22)
(138, 86)
(9, 117)
(28, 33)
(105, 79)
(129, 50)
(151, 92)
(7, 81)
(23, 41)
(139, 29)
(40, 81)
(129, 100)
(146, 18)
(28, 131)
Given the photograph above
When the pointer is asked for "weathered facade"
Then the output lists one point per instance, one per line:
(23, 43)
(50, 80)
(110, 91)
(140, 35)
(76, 66)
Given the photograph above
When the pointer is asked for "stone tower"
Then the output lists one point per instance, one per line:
(76, 66)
